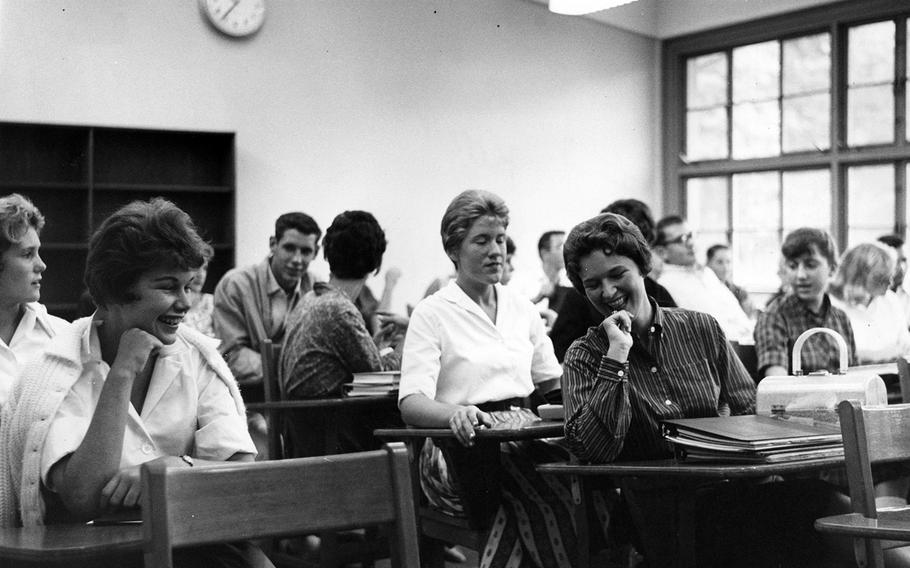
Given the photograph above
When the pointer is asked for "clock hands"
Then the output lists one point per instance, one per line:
(228, 11)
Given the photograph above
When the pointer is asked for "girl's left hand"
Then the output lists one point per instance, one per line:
(465, 420)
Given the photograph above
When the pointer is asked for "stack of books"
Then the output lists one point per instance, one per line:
(752, 439)
(376, 383)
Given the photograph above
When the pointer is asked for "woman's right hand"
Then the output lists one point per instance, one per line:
(134, 350)
(465, 420)
(618, 327)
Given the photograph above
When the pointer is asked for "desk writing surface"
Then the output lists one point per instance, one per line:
(71, 541)
(502, 431)
(683, 469)
(334, 402)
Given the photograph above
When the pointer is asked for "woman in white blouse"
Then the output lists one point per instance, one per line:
(25, 325)
(474, 348)
(861, 288)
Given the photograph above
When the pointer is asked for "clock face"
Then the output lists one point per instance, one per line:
(236, 18)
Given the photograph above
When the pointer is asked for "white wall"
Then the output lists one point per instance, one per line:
(390, 106)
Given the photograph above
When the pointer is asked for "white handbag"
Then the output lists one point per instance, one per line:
(815, 396)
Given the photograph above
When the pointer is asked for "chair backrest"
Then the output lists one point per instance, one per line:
(872, 434)
(271, 356)
(236, 501)
(903, 374)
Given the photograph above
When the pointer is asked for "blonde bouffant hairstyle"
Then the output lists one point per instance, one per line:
(864, 271)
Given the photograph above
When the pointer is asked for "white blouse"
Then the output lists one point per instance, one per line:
(880, 329)
(35, 330)
(188, 410)
(453, 353)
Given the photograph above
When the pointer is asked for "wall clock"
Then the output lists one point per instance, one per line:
(236, 18)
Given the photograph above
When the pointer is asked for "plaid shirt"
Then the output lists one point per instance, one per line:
(785, 318)
(683, 368)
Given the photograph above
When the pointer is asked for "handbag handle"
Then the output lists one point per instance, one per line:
(798, 346)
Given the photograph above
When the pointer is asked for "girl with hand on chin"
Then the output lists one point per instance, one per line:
(125, 386)
(25, 326)
(474, 348)
(643, 363)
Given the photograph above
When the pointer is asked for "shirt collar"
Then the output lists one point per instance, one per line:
(274, 287)
(452, 292)
(657, 320)
(822, 311)
(35, 313)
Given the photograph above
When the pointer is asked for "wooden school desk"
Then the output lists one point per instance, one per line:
(672, 543)
(80, 545)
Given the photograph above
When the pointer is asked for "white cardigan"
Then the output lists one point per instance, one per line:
(26, 417)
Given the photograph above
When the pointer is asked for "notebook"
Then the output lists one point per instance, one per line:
(752, 438)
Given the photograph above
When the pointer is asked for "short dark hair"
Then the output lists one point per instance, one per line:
(893, 241)
(636, 211)
(800, 241)
(714, 249)
(669, 220)
(354, 244)
(611, 233)
(467, 207)
(543, 243)
(17, 216)
(305, 224)
(139, 237)
(510, 245)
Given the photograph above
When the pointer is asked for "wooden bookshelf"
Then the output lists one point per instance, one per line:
(78, 175)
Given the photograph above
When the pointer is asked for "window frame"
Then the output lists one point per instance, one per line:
(834, 19)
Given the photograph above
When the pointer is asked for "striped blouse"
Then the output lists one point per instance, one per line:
(683, 368)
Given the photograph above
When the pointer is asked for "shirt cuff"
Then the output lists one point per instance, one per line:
(613, 370)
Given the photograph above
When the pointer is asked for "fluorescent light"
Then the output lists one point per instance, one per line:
(579, 7)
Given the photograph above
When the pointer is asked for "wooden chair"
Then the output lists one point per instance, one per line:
(333, 550)
(191, 506)
(874, 434)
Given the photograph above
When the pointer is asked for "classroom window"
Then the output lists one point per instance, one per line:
(796, 120)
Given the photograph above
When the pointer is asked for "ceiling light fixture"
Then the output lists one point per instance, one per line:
(580, 7)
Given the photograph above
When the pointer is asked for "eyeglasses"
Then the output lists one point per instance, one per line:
(682, 239)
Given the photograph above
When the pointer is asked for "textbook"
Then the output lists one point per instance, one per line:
(373, 383)
(752, 439)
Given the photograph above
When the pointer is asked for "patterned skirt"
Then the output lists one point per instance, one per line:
(533, 524)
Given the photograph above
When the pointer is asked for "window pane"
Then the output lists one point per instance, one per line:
(706, 134)
(756, 201)
(706, 80)
(807, 200)
(755, 259)
(870, 202)
(706, 205)
(756, 72)
(756, 130)
(807, 64)
(871, 53)
(806, 121)
(870, 115)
